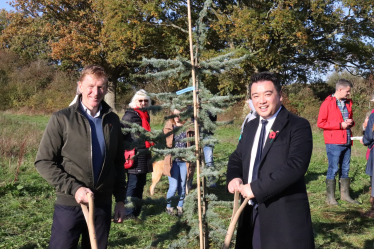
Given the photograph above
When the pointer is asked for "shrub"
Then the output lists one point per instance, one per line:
(302, 101)
(57, 95)
(37, 85)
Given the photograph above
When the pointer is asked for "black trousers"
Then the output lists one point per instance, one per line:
(135, 187)
(256, 238)
(69, 224)
(248, 235)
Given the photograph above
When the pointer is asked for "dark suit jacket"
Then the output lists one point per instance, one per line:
(280, 189)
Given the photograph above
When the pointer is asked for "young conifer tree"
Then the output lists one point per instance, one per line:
(209, 104)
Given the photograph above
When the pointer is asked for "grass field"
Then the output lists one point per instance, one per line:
(26, 205)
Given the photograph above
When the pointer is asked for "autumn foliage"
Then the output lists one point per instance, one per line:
(299, 40)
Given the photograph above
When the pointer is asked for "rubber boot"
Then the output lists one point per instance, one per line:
(330, 189)
(344, 191)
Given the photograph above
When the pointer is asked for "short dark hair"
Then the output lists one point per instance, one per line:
(343, 83)
(265, 76)
(97, 71)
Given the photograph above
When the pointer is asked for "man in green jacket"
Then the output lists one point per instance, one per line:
(81, 153)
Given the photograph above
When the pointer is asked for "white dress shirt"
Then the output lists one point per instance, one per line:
(89, 112)
(255, 144)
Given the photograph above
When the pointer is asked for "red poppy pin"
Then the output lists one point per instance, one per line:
(110, 125)
(272, 135)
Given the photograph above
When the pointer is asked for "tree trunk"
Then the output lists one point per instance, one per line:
(110, 97)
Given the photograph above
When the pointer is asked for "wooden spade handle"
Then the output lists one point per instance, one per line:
(236, 204)
(90, 219)
(234, 219)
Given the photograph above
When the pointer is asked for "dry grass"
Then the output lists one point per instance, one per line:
(14, 133)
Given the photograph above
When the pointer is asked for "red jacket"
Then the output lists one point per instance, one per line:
(330, 119)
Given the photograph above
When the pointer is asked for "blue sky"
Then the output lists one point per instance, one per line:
(4, 5)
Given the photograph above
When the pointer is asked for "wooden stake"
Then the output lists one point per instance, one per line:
(197, 135)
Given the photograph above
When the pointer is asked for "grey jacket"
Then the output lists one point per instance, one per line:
(64, 157)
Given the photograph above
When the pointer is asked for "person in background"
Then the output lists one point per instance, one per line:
(208, 151)
(368, 140)
(336, 119)
(176, 168)
(367, 116)
(137, 174)
(81, 152)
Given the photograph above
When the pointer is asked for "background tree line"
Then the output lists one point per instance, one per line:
(45, 43)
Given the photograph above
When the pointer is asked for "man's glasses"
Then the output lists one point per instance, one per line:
(143, 100)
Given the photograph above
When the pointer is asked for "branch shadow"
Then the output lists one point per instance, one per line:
(220, 190)
(123, 241)
(151, 210)
(356, 193)
(369, 244)
(365, 188)
(29, 246)
(312, 176)
(173, 233)
(354, 224)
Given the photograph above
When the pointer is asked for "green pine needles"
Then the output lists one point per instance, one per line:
(209, 104)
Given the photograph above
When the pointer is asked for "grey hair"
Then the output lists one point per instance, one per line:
(141, 94)
(343, 83)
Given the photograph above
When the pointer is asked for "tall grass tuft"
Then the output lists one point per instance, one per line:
(20, 157)
(18, 139)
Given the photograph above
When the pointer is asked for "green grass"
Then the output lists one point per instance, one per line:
(39, 121)
(342, 226)
(26, 206)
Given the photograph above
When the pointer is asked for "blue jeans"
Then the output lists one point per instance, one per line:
(208, 156)
(135, 187)
(177, 181)
(339, 157)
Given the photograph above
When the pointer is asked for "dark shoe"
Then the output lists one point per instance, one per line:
(170, 211)
(344, 191)
(330, 189)
(369, 214)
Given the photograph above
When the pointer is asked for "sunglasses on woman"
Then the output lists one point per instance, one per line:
(143, 100)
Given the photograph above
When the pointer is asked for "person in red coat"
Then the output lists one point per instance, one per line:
(268, 166)
(336, 119)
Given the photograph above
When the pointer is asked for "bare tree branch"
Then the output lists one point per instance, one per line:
(169, 25)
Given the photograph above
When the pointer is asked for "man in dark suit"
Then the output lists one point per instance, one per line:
(268, 166)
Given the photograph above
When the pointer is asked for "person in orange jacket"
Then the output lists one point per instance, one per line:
(336, 119)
